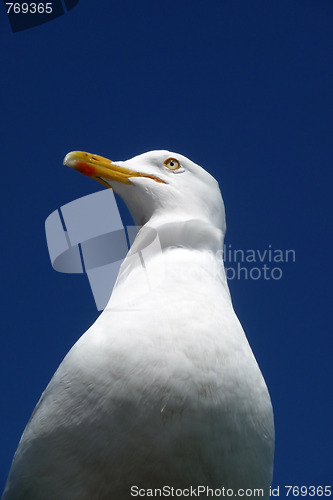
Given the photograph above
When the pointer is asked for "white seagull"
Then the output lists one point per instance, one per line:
(163, 390)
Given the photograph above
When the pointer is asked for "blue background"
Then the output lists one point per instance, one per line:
(242, 88)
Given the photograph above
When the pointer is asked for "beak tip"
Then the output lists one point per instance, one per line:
(68, 160)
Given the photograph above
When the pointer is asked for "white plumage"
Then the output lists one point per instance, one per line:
(163, 389)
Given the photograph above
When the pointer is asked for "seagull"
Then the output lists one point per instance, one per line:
(163, 390)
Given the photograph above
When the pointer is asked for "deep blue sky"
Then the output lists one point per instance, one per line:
(242, 88)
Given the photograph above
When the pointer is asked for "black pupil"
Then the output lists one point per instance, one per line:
(171, 164)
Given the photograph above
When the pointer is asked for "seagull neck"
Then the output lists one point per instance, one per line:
(193, 234)
(171, 254)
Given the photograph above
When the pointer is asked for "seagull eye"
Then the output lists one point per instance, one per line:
(172, 164)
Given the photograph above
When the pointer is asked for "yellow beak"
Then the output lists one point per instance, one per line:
(100, 168)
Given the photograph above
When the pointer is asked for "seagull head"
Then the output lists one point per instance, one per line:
(158, 185)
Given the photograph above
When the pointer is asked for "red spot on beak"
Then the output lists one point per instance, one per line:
(85, 168)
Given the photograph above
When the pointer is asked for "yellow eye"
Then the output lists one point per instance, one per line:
(172, 164)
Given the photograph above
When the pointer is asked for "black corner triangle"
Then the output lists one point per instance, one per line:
(71, 3)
